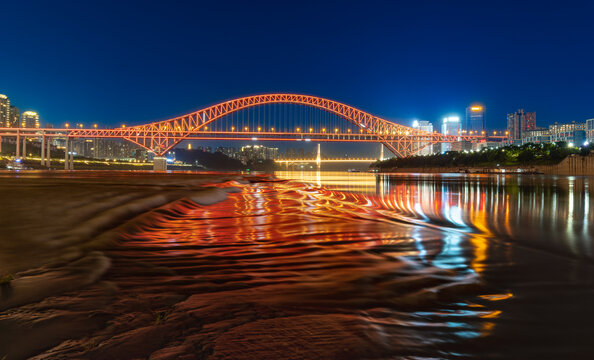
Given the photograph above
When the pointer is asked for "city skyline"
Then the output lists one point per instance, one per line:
(97, 75)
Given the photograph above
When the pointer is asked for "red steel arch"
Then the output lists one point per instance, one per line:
(160, 137)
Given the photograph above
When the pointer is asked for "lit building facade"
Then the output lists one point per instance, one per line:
(571, 133)
(112, 149)
(257, 153)
(4, 111)
(518, 123)
(590, 130)
(228, 151)
(450, 126)
(30, 119)
(475, 119)
(423, 125)
(536, 136)
(14, 117)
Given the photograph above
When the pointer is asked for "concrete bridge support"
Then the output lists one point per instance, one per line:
(159, 163)
(68, 155)
(42, 154)
(48, 154)
(71, 155)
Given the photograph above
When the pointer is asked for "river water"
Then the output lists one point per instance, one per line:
(327, 265)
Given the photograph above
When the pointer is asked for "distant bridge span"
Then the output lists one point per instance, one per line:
(160, 137)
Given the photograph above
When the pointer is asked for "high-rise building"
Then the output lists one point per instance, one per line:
(423, 125)
(229, 151)
(475, 119)
(257, 153)
(575, 133)
(450, 126)
(4, 111)
(590, 130)
(518, 123)
(30, 119)
(15, 117)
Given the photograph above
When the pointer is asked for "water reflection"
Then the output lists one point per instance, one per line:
(543, 211)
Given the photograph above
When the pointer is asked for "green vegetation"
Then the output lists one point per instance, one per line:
(524, 155)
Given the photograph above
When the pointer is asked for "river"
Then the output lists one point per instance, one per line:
(324, 265)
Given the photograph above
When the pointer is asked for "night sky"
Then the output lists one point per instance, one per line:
(133, 62)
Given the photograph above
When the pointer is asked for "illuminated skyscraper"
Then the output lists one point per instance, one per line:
(29, 119)
(475, 119)
(518, 123)
(4, 111)
(450, 126)
(14, 117)
(423, 125)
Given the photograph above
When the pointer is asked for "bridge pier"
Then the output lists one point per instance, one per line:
(72, 155)
(24, 147)
(48, 154)
(42, 154)
(17, 154)
(66, 157)
(159, 163)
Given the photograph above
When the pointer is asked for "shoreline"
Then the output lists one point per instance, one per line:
(573, 165)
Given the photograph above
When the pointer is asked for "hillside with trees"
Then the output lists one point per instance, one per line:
(524, 155)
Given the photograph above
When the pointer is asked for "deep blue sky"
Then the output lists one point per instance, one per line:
(132, 62)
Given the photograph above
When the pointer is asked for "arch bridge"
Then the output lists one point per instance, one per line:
(268, 118)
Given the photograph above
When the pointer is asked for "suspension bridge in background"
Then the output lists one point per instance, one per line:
(268, 117)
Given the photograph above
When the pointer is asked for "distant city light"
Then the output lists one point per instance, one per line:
(570, 144)
(476, 108)
(415, 123)
(451, 119)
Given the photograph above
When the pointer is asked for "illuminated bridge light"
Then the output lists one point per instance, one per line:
(162, 136)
